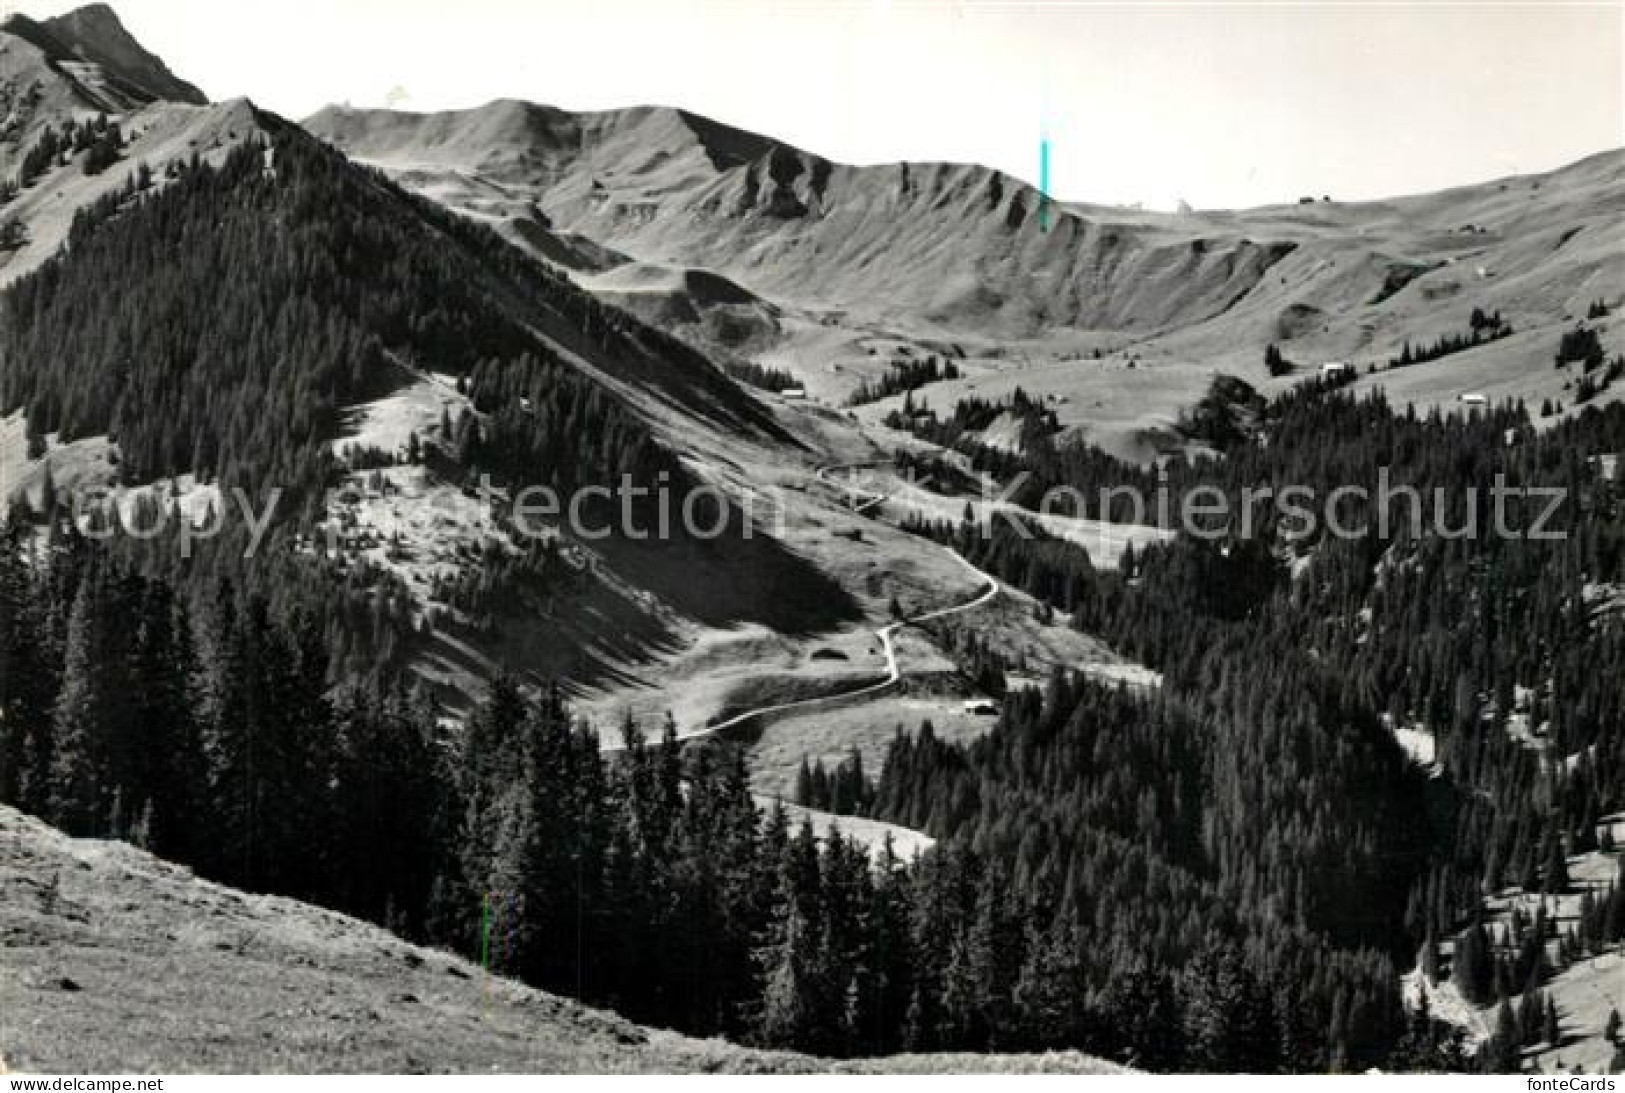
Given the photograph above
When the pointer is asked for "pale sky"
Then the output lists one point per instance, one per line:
(1223, 106)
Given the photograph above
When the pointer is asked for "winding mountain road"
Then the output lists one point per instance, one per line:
(886, 634)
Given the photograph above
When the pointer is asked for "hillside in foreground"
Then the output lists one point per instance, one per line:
(117, 961)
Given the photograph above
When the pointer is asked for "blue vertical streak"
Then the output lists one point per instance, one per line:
(1043, 184)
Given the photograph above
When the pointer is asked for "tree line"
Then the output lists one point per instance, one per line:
(903, 375)
(1482, 328)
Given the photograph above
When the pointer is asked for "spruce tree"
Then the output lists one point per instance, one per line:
(79, 793)
(788, 1007)
(1500, 1054)
(1555, 871)
(1470, 968)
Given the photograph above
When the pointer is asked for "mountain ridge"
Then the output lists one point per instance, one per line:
(96, 33)
(702, 124)
(109, 69)
(952, 248)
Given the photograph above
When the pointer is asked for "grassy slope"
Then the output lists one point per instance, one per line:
(115, 961)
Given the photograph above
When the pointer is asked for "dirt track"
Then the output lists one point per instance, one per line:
(886, 634)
